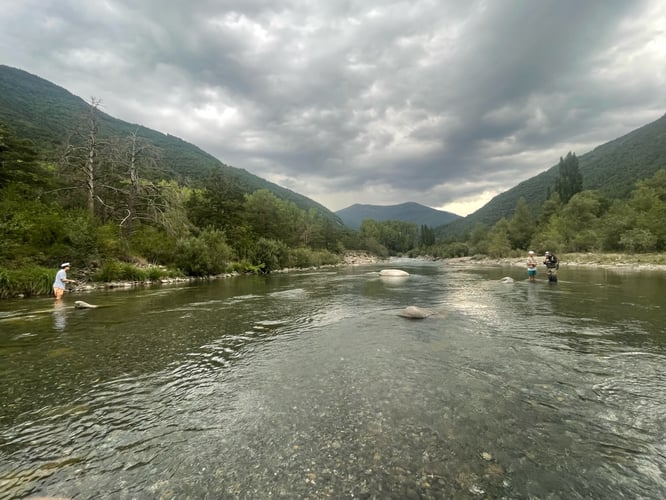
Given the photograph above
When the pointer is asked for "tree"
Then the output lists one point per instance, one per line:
(19, 163)
(638, 240)
(370, 229)
(219, 204)
(521, 226)
(137, 155)
(427, 237)
(264, 214)
(311, 230)
(269, 254)
(617, 219)
(478, 239)
(551, 206)
(648, 206)
(578, 223)
(396, 236)
(83, 157)
(570, 180)
(204, 255)
(91, 154)
(499, 244)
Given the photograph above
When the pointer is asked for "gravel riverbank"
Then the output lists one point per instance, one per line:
(625, 262)
(628, 262)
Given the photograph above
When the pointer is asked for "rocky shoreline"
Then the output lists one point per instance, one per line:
(655, 262)
(351, 258)
(358, 258)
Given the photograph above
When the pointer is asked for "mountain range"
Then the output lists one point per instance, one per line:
(43, 112)
(407, 212)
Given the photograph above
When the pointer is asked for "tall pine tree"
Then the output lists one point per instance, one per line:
(570, 180)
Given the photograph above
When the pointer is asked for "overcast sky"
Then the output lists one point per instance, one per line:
(446, 103)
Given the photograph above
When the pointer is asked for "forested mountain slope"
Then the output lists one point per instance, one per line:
(612, 169)
(45, 113)
(354, 215)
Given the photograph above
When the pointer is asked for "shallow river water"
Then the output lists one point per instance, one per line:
(309, 385)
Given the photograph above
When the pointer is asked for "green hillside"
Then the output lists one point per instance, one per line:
(45, 113)
(354, 215)
(612, 169)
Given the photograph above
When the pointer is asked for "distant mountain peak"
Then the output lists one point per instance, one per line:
(410, 211)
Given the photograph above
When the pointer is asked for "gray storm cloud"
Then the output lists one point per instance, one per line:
(444, 103)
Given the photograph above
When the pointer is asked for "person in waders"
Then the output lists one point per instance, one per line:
(552, 265)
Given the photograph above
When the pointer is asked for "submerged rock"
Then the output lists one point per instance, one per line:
(506, 279)
(393, 272)
(80, 304)
(414, 312)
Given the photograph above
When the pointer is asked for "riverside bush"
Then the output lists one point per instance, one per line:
(28, 281)
(270, 255)
(205, 255)
(114, 270)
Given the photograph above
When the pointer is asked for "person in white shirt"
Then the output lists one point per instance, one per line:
(531, 266)
(61, 280)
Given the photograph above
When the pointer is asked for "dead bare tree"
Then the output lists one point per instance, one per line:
(141, 155)
(89, 169)
(120, 178)
(82, 152)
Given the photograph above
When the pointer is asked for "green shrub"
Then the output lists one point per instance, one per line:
(327, 258)
(27, 281)
(245, 266)
(108, 243)
(110, 271)
(5, 282)
(153, 244)
(204, 255)
(270, 255)
(306, 257)
(130, 272)
(113, 270)
(300, 257)
(638, 240)
(80, 235)
(154, 273)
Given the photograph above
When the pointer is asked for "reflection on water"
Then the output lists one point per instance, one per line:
(59, 316)
(311, 385)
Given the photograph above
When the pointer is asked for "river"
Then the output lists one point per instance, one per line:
(310, 385)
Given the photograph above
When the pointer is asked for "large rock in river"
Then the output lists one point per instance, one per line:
(80, 304)
(393, 273)
(414, 312)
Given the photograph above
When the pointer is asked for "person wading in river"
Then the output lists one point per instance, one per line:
(60, 281)
(531, 266)
(552, 265)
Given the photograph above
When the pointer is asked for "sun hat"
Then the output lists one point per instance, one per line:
(531, 252)
(547, 253)
(64, 264)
